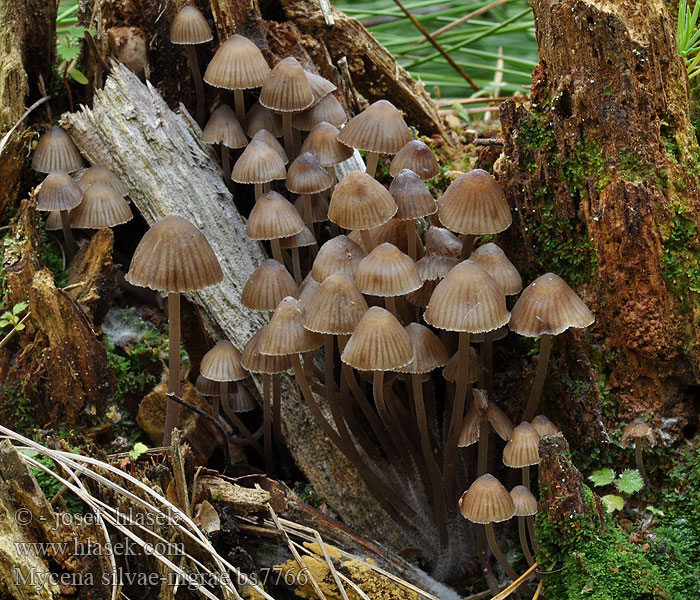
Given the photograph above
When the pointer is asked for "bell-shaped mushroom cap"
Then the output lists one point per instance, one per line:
(450, 371)
(189, 27)
(223, 128)
(258, 164)
(328, 110)
(273, 216)
(417, 157)
(307, 289)
(319, 207)
(495, 335)
(486, 501)
(307, 176)
(379, 128)
(258, 117)
(102, 206)
(320, 86)
(58, 192)
(264, 136)
(499, 421)
(421, 297)
(411, 196)
(223, 363)
(360, 202)
(474, 204)
(300, 240)
(338, 255)
(544, 426)
(99, 173)
(548, 306)
(428, 351)
(237, 65)
(241, 400)
(323, 143)
(523, 448)
(267, 286)
(467, 299)
(56, 151)
(336, 307)
(392, 232)
(207, 387)
(379, 343)
(524, 501)
(443, 240)
(255, 362)
(285, 333)
(435, 265)
(286, 88)
(497, 265)
(637, 429)
(386, 271)
(53, 221)
(174, 256)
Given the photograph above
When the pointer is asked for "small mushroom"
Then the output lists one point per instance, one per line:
(223, 128)
(338, 255)
(258, 165)
(56, 151)
(273, 217)
(417, 157)
(60, 193)
(641, 433)
(525, 506)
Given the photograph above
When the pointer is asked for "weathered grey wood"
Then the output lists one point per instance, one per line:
(131, 130)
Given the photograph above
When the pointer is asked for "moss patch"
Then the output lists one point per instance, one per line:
(680, 261)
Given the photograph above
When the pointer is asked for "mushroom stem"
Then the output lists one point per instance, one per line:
(411, 235)
(530, 519)
(198, 85)
(226, 165)
(540, 375)
(467, 246)
(223, 397)
(331, 395)
(296, 265)
(357, 430)
(288, 135)
(267, 421)
(491, 538)
(172, 410)
(523, 541)
(431, 463)
(258, 190)
(277, 250)
(487, 364)
(71, 246)
(638, 460)
(366, 240)
(249, 437)
(372, 160)
(390, 303)
(307, 213)
(239, 103)
(277, 410)
(458, 404)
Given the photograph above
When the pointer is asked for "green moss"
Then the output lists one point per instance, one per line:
(17, 409)
(584, 166)
(632, 165)
(680, 261)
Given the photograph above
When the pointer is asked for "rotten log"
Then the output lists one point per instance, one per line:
(602, 172)
(131, 130)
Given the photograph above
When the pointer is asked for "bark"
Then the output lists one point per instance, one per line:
(603, 174)
(171, 173)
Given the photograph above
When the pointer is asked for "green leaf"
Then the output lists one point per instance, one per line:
(19, 308)
(629, 482)
(613, 502)
(655, 511)
(138, 450)
(29, 452)
(78, 76)
(4, 323)
(19, 327)
(602, 477)
(68, 52)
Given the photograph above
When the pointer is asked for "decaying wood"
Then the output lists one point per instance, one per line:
(607, 153)
(131, 130)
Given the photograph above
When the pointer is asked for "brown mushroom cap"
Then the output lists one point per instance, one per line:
(285, 333)
(474, 204)
(319, 207)
(307, 176)
(273, 216)
(379, 343)
(471, 424)
(286, 88)
(223, 363)
(421, 297)
(264, 136)
(253, 361)
(523, 448)
(360, 202)
(473, 367)
(495, 335)
(338, 255)
(237, 65)
(638, 429)
(241, 400)
(497, 265)
(486, 501)
(379, 128)
(417, 157)
(99, 173)
(323, 143)
(391, 232)
(336, 307)
(435, 265)
(258, 164)
(524, 501)
(428, 351)
(544, 426)
(56, 151)
(58, 192)
(548, 306)
(258, 117)
(307, 289)
(207, 387)
(328, 110)
(411, 196)
(443, 240)
(267, 286)
(101, 206)
(499, 421)
(300, 240)
(467, 299)
(174, 256)
(223, 128)
(53, 221)
(189, 27)
(320, 86)
(386, 271)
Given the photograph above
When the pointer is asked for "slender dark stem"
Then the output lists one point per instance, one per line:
(390, 303)
(380, 403)
(372, 160)
(172, 410)
(71, 246)
(530, 519)
(358, 431)
(307, 211)
(223, 397)
(491, 538)
(523, 541)
(277, 250)
(277, 410)
(258, 190)
(482, 552)
(250, 437)
(198, 85)
(239, 103)
(226, 165)
(412, 239)
(267, 420)
(296, 265)
(540, 375)
(487, 364)
(638, 460)
(467, 246)
(288, 135)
